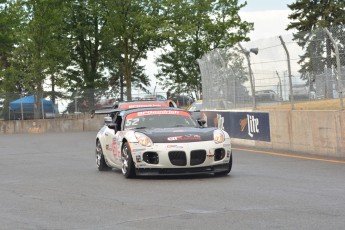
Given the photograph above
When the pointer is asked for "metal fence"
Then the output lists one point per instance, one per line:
(268, 72)
(276, 71)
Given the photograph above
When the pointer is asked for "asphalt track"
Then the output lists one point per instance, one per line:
(49, 181)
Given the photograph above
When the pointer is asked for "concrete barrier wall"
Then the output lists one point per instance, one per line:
(313, 132)
(51, 125)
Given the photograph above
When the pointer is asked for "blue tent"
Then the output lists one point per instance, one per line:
(26, 104)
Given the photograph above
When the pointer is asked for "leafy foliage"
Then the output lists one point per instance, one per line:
(83, 45)
(196, 28)
(135, 26)
(308, 18)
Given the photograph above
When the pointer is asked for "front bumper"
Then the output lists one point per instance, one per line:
(182, 158)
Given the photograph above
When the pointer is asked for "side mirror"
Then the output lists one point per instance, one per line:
(107, 120)
(201, 122)
(112, 126)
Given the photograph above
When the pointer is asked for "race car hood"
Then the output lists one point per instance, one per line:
(179, 135)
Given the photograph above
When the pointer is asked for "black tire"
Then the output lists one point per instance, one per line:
(128, 168)
(100, 160)
(228, 170)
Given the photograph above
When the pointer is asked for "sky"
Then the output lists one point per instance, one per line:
(264, 5)
(270, 17)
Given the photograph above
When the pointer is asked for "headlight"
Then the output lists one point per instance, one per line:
(218, 136)
(143, 139)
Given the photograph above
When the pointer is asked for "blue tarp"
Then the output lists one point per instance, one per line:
(27, 103)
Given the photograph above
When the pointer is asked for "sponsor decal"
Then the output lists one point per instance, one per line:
(138, 158)
(35, 128)
(175, 146)
(115, 149)
(252, 123)
(226, 145)
(210, 154)
(158, 112)
(188, 137)
(137, 150)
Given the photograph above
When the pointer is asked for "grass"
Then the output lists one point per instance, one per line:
(326, 104)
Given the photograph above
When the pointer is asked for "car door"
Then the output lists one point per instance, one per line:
(110, 140)
(116, 141)
(109, 135)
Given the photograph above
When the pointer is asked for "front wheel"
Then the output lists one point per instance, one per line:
(228, 170)
(100, 160)
(128, 169)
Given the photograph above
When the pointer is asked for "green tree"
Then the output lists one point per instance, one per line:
(136, 27)
(114, 63)
(197, 27)
(6, 42)
(38, 49)
(9, 23)
(85, 27)
(309, 18)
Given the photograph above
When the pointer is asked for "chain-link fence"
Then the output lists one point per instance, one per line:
(276, 71)
(283, 70)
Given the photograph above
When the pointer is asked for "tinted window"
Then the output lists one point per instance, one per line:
(159, 119)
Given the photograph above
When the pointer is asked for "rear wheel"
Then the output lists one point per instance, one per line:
(228, 170)
(128, 169)
(100, 160)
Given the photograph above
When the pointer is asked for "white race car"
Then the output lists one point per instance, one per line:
(161, 141)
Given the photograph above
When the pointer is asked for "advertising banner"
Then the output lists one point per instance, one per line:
(242, 125)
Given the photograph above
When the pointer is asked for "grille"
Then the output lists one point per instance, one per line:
(197, 157)
(178, 158)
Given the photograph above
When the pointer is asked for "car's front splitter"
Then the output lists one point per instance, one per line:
(182, 171)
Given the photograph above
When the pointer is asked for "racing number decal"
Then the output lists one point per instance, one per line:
(132, 122)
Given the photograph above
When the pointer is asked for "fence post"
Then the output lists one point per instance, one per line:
(280, 88)
(340, 86)
(42, 104)
(289, 71)
(252, 83)
(21, 108)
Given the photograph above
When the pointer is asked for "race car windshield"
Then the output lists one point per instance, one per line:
(159, 119)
